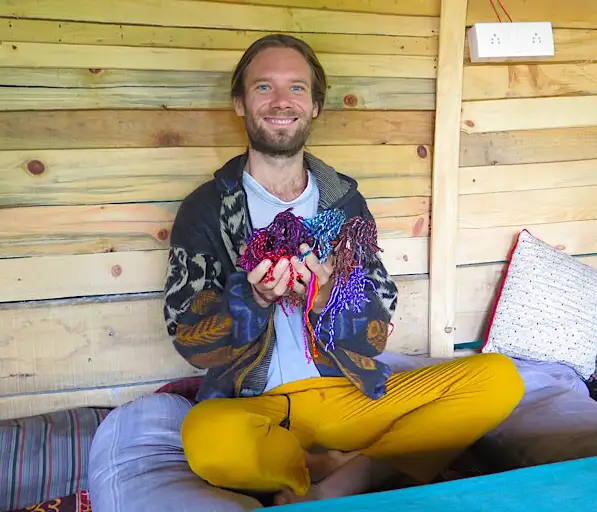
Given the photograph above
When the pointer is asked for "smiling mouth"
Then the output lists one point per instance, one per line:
(281, 121)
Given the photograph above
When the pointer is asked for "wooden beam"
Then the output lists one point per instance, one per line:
(67, 32)
(489, 244)
(21, 406)
(444, 211)
(527, 206)
(75, 89)
(528, 81)
(99, 176)
(571, 14)
(81, 229)
(413, 7)
(194, 13)
(164, 128)
(52, 277)
(530, 146)
(548, 175)
(62, 345)
(528, 114)
(42, 55)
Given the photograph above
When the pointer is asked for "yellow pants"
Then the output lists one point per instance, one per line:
(426, 419)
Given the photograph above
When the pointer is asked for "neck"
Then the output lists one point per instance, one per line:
(284, 178)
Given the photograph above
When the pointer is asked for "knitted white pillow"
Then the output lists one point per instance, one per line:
(547, 308)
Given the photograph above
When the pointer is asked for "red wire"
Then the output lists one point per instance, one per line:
(504, 9)
(495, 10)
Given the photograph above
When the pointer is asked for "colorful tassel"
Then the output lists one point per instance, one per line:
(354, 242)
(312, 293)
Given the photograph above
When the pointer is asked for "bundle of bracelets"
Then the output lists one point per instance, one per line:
(354, 243)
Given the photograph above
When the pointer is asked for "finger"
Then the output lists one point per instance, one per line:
(277, 274)
(258, 273)
(312, 263)
(281, 287)
(242, 250)
(301, 269)
(299, 289)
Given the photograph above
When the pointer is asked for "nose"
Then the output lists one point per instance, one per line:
(281, 99)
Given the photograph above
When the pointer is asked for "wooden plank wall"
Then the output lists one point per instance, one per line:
(528, 153)
(112, 112)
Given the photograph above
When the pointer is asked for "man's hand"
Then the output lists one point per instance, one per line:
(323, 272)
(267, 293)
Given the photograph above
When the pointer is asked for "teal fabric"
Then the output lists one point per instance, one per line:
(559, 487)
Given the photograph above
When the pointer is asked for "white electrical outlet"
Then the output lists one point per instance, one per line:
(491, 42)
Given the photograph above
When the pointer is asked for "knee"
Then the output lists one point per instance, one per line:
(219, 438)
(502, 379)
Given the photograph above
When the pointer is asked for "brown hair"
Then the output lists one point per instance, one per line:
(319, 85)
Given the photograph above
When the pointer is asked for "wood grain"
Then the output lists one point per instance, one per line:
(22, 406)
(60, 89)
(485, 245)
(83, 345)
(549, 175)
(80, 229)
(527, 206)
(27, 55)
(444, 208)
(571, 14)
(159, 128)
(528, 114)
(113, 273)
(412, 7)
(66, 32)
(193, 13)
(529, 81)
(521, 147)
(86, 345)
(99, 176)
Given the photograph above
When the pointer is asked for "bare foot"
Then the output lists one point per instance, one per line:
(287, 497)
(360, 474)
(323, 464)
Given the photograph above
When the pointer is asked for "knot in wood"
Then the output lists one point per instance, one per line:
(163, 234)
(350, 100)
(422, 151)
(36, 167)
(116, 270)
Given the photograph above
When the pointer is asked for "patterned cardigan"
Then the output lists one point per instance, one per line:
(209, 306)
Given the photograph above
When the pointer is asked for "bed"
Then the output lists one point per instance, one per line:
(555, 422)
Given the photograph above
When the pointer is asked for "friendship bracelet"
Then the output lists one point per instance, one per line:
(354, 242)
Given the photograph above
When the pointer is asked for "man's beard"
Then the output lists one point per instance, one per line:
(277, 145)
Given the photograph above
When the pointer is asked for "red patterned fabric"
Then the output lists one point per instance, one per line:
(74, 503)
(186, 387)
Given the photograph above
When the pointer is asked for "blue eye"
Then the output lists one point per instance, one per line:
(297, 88)
(262, 87)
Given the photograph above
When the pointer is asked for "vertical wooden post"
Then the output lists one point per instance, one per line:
(444, 198)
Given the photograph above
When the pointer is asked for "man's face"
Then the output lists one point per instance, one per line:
(278, 106)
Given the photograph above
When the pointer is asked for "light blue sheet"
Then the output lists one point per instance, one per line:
(559, 487)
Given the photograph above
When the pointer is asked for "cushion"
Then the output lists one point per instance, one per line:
(187, 387)
(44, 457)
(546, 310)
(79, 502)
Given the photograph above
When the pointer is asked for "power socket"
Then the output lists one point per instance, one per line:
(495, 42)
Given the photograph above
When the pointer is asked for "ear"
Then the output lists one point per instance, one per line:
(315, 111)
(239, 107)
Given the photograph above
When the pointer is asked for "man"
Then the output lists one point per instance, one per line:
(264, 406)
(267, 418)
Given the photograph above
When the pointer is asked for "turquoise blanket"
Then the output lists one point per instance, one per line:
(559, 487)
